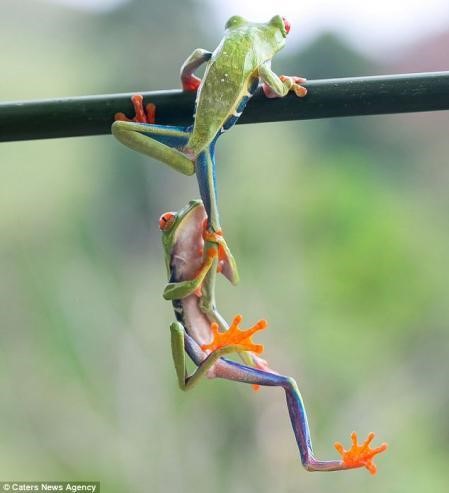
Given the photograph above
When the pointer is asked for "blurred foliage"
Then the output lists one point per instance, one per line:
(341, 232)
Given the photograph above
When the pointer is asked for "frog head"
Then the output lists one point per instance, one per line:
(272, 33)
(182, 230)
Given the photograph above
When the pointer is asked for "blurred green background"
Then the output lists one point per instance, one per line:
(341, 231)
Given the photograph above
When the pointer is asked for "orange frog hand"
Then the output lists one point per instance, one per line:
(211, 253)
(360, 455)
(236, 336)
(216, 237)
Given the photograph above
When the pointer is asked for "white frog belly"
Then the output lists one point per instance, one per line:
(196, 322)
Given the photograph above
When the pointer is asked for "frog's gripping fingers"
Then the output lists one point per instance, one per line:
(360, 455)
(278, 87)
(235, 336)
(227, 264)
(142, 115)
(294, 84)
(150, 109)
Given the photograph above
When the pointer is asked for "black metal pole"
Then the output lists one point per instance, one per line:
(93, 115)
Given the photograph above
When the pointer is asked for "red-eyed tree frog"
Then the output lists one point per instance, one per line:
(234, 71)
(190, 257)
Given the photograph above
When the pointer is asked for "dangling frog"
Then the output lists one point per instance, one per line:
(234, 71)
(190, 259)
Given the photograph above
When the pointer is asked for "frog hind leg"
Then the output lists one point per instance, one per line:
(235, 371)
(179, 338)
(162, 142)
(207, 183)
(181, 343)
(205, 173)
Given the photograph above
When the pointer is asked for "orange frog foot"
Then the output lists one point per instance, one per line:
(216, 237)
(360, 455)
(236, 336)
(299, 90)
(143, 114)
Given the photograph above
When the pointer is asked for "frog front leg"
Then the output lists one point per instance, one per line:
(189, 81)
(134, 136)
(182, 289)
(279, 86)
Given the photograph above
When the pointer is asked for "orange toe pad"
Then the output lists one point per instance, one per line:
(360, 455)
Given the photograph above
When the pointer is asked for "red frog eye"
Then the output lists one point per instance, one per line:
(287, 25)
(166, 221)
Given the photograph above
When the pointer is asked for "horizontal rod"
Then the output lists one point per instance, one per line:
(327, 98)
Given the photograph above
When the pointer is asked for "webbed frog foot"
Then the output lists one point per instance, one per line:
(143, 114)
(235, 336)
(360, 455)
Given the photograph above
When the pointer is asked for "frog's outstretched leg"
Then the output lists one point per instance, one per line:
(240, 342)
(357, 456)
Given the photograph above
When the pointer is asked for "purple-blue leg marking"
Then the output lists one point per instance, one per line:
(177, 137)
(205, 174)
(231, 370)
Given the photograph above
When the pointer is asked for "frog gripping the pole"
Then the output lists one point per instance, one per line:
(234, 71)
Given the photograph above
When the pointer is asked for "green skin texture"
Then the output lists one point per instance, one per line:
(182, 289)
(242, 57)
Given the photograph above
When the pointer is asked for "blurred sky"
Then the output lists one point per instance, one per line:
(371, 26)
